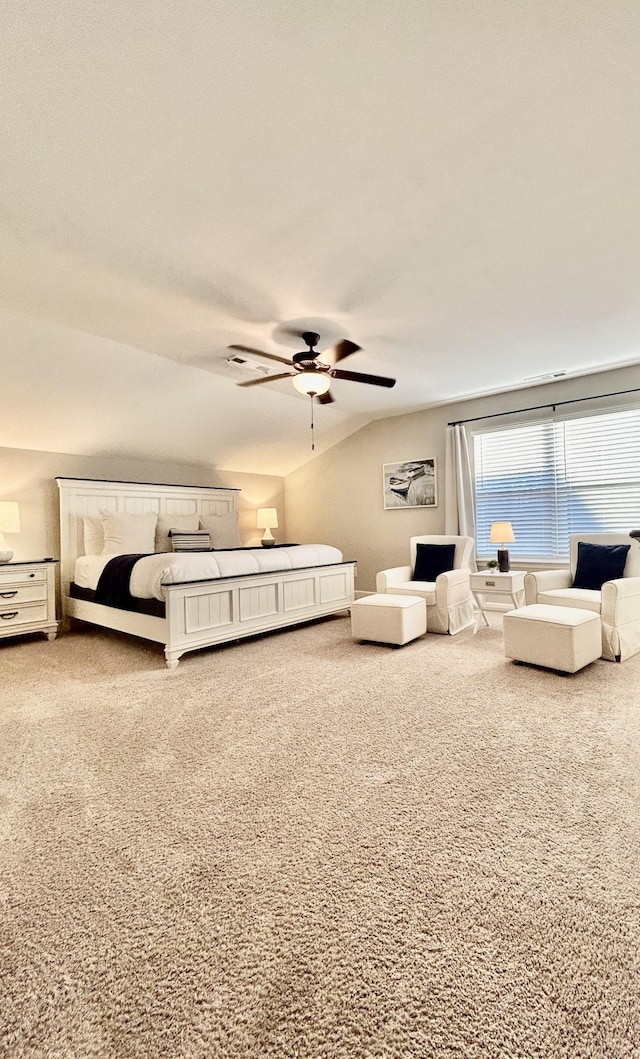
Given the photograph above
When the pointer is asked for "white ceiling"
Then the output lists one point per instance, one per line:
(452, 185)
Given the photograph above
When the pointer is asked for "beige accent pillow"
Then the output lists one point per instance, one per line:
(184, 523)
(128, 534)
(223, 530)
(93, 535)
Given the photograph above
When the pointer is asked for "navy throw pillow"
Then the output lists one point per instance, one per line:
(433, 559)
(598, 563)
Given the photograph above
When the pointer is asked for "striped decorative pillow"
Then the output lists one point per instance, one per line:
(197, 541)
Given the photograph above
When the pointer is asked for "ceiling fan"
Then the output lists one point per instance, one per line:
(311, 376)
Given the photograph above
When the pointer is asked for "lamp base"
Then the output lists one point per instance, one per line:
(6, 557)
(268, 543)
(503, 560)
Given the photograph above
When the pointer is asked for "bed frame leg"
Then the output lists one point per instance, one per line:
(172, 660)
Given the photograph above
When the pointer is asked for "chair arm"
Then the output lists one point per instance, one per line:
(386, 579)
(542, 581)
(453, 586)
(621, 600)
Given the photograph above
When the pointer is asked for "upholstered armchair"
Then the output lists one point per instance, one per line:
(450, 607)
(617, 601)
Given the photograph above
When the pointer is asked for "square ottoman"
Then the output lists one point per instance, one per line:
(563, 638)
(388, 619)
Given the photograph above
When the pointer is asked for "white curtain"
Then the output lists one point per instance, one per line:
(459, 504)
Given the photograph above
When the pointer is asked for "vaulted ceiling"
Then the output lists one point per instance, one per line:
(453, 186)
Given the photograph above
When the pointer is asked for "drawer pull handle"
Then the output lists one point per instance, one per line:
(32, 575)
(8, 617)
(8, 595)
(490, 584)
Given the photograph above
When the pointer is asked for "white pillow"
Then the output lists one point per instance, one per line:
(128, 534)
(223, 530)
(184, 523)
(93, 536)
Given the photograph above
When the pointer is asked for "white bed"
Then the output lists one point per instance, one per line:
(209, 598)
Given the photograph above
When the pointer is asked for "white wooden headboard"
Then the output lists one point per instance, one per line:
(81, 498)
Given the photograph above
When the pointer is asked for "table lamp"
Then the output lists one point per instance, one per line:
(502, 533)
(267, 520)
(9, 523)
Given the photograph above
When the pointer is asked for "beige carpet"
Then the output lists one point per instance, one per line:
(300, 847)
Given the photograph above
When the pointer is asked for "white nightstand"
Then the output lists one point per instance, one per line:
(28, 598)
(493, 587)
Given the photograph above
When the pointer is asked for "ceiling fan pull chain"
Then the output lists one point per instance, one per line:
(313, 443)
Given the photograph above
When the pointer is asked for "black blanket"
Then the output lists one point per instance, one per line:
(112, 589)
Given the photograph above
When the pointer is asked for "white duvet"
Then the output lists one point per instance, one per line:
(152, 572)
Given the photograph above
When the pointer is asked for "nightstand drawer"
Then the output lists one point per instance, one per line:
(27, 599)
(498, 582)
(480, 582)
(24, 615)
(23, 576)
(10, 594)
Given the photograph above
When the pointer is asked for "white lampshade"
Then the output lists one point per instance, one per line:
(267, 518)
(9, 523)
(312, 383)
(501, 533)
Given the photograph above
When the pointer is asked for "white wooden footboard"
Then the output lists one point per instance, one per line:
(204, 613)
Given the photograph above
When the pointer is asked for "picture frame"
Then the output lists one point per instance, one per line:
(410, 483)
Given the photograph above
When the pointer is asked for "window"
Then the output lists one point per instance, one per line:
(557, 477)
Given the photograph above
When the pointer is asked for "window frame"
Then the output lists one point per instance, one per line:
(486, 550)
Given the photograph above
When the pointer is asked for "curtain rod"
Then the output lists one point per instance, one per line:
(537, 407)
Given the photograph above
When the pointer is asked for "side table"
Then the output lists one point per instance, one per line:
(494, 587)
(28, 598)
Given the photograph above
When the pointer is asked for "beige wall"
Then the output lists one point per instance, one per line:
(258, 490)
(337, 497)
(29, 478)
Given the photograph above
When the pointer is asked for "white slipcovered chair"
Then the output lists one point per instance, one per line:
(617, 603)
(450, 605)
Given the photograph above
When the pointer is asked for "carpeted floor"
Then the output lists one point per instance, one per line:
(300, 847)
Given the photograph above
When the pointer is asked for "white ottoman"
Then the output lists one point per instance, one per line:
(388, 619)
(563, 638)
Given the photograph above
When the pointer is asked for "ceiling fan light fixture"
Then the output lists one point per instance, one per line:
(312, 383)
(310, 376)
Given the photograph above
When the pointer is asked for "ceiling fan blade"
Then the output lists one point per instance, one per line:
(343, 349)
(354, 376)
(267, 378)
(260, 353)
(325, 398)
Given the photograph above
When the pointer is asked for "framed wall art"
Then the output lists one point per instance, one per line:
(411, 483)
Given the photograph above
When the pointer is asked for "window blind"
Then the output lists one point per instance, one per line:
(556, 477)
